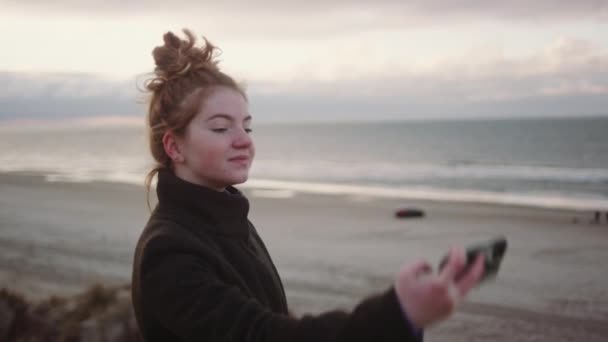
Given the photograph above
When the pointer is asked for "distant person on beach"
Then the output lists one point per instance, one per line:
(201, 271)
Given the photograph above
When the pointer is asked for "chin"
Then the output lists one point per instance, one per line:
(239, 179)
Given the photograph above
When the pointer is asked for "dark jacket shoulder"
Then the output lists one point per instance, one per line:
(201, 273)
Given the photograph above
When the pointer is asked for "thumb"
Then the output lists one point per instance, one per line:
(419, 268)
(456, 262)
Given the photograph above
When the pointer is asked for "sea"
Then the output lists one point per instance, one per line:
(548, 162)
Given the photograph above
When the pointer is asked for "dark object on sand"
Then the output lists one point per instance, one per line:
(409, 213)
(596, 217)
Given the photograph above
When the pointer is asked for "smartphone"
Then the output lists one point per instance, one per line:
(493, 251)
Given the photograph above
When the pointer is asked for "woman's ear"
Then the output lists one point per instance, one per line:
(172, 147)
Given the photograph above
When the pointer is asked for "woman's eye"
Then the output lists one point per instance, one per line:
(219, 130)
(248, 130)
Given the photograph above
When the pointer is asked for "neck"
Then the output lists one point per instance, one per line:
(186, 174)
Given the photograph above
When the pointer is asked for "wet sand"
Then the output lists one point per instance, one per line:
(331, 251)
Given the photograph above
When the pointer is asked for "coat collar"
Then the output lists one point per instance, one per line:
(222, 213)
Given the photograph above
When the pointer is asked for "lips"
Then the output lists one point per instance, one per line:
(240, 160)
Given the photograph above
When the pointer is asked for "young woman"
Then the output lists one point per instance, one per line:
(201, 271)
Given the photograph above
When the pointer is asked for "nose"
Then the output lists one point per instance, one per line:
(242, 139)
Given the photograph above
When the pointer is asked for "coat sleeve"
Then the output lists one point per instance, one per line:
(188, 298)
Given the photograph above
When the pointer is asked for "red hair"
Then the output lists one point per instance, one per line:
(183, 78)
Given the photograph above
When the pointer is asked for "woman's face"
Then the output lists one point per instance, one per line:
(217, 149)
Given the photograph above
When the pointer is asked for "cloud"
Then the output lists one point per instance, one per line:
(316, 17)
(569, 77)
(573, 65)
(60, 85)
(29, 95)
(513, 9)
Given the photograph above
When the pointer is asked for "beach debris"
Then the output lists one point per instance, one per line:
(409, 213)
(597, 217)
(100, 314)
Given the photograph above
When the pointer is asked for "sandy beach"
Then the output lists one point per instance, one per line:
(331, 251)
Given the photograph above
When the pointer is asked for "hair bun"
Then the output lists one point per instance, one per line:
(179, 57)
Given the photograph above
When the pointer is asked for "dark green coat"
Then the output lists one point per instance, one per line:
(201, 273)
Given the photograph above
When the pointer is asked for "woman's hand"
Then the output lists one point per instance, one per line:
(428, 298)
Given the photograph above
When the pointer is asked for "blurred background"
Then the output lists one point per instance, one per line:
(489, 102)
(492, 116)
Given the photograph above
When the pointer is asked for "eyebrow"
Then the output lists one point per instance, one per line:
(226, 116)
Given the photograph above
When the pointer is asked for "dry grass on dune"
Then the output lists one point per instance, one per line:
(99, 314)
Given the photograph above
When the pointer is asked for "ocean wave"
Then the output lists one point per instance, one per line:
(326, 178)
(400, 171)
(541, 200)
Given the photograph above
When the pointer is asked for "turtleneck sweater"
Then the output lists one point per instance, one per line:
(201, 272)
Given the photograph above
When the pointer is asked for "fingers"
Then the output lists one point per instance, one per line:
(456, 262)
(416, 270)
(471, 278)
(419, 268)
(429, 297)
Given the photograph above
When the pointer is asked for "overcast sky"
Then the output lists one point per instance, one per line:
(315, 60)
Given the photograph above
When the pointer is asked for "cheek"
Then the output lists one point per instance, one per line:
(206, 153)
(210, 157)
